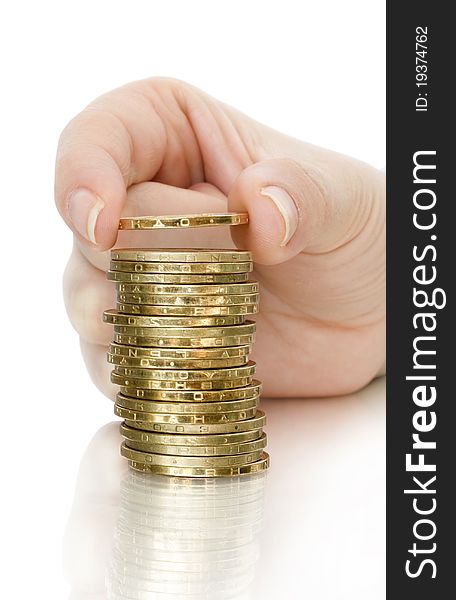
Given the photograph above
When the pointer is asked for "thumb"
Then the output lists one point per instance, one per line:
(301, 206)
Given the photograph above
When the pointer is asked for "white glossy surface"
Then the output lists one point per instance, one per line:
(312, 528)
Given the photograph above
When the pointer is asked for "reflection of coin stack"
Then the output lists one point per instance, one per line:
(182, 538)
(180, 354)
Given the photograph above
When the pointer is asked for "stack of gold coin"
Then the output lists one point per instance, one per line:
(180, 353)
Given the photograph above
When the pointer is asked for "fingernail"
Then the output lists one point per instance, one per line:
(287, 208)
(83, 209)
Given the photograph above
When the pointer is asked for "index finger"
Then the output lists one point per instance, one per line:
(133, 134)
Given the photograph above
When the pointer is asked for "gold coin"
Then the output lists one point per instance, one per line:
(239, 289)
(167, 460)
(153, 267)
(174, 363)
(185, 407)
(183, 221)
(181, 300)
(114, 317)
(192, 311)
(247, 328)
(180, 353)
(154, 384)
(185, 255)
(132, 434)
(256, 422)
(166, 278)
(191, 333)
(183, 342)
(178, 419)
(188, 375)
(250, 391)
(220, 450)
(199, 337)
(256, 467)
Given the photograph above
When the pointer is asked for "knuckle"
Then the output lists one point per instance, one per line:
(84, 305)
(99, 369)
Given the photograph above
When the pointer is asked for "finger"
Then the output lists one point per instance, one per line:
(157, 198)
(87, 293)
(210, 190)
(157, 128)
(99, 369)
(314, 206)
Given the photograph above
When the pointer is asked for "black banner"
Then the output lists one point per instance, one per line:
(421, 358)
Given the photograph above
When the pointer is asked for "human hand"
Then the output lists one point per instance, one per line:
(316, 228)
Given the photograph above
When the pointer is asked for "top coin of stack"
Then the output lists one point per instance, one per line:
(181, 357)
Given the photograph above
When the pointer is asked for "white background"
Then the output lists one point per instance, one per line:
(313, 69)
